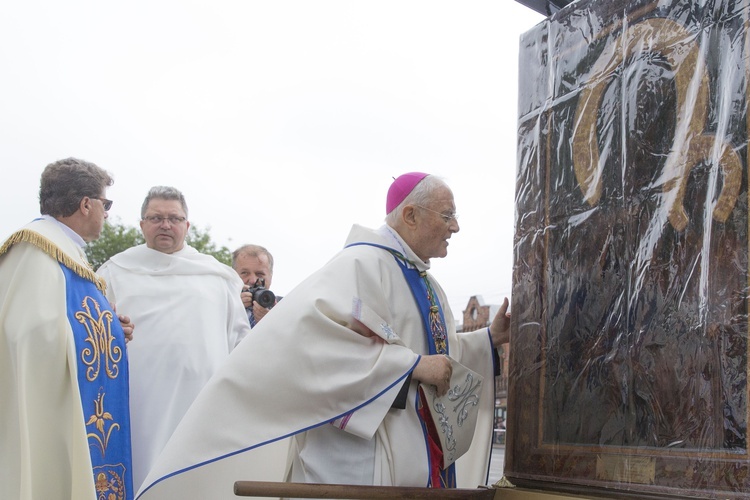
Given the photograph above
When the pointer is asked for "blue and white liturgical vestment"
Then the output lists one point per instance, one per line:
(103, 384)
(312, 388)
(64, 416)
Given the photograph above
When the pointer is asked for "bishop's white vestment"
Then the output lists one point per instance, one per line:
(308, 374)
(188, 316)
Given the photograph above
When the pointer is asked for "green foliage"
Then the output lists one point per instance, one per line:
(117, 237)
(201, 241)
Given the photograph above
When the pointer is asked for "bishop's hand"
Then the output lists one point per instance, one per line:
(500, 327)
(435, 370)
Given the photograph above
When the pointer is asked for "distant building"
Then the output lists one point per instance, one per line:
(479, 315)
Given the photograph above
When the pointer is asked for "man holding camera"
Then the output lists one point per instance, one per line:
(254, 264)
(331, 387)
(188, 309)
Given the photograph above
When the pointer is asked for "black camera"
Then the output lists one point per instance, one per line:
(262, 295)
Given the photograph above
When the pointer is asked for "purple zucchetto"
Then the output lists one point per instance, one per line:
(400, 189)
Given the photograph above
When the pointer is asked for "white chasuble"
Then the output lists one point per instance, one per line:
(53, 443)
(310, 370)
(188, 316)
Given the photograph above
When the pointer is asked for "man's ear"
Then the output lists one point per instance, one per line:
(85, 205)
(409, 215)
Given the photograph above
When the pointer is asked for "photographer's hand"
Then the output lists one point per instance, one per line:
(247, 299)
(258, 311)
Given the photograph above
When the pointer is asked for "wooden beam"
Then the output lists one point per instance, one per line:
(355, 492)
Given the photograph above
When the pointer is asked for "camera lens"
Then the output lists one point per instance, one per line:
(265, 298)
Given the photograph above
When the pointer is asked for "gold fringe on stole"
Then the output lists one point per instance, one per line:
(46, 246)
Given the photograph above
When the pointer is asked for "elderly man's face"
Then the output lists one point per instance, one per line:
(433, 230)
(165, 225)
(251, 268)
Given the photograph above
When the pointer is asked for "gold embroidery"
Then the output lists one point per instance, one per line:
(112, 488)
(691, 145)
(102, 350)
(100, 416)
(46, 246)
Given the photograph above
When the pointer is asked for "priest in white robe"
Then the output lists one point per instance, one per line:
(64, 421)
(330, 378)
(189, 314)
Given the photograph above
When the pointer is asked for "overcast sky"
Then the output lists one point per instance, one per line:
(283, 122)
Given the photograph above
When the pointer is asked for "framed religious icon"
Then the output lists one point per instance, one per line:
(628, 362)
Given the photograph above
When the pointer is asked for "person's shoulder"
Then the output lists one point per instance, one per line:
(27, 244)
(206, 261)
(137, 249)
(41, 235)
(364, 240)
(137, 259)
(360, 234)
(360, 257)
(191, 254)
(129, 253)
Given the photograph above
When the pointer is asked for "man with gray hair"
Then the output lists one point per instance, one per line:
(188, 309)
(349, 367)
(254, 265)
(64, 419)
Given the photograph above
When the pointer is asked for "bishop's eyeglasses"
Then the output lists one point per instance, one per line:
(447, 218)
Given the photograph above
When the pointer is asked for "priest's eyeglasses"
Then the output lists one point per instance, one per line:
(107, 204)
(447, 218)
(158, 219)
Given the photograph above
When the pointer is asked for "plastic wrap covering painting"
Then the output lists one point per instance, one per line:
(629, 349)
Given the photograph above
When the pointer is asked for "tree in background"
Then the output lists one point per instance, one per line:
(201, 241)
(117, 237)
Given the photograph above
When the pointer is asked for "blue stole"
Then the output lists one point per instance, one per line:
(103, 383)
(437, 342)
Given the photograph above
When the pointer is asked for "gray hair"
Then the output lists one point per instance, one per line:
(252, 251)
(420, 195)
(163, 193)
(65, 183)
